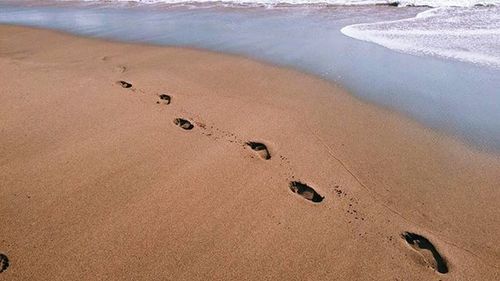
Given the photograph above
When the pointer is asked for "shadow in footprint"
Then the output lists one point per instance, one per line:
(183, 123)
(4, 263)
(428, 251)
(260, 148)
(305, 191)
(165, 98)
(124, 84)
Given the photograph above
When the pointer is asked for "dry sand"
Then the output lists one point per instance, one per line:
(97, 182)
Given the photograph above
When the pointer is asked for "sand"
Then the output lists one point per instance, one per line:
(99, 182)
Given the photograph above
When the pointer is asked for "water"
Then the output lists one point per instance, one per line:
(466, 34)
(270, 3)
(457, 97)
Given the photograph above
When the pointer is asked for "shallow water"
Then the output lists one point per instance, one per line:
(456, 97)
(466, 34)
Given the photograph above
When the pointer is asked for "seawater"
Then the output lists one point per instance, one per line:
(466, 34)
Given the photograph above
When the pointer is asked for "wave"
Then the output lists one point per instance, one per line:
(463, 34)
(271, 3)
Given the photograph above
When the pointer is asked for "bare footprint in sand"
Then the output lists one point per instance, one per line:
(4, 263)
(305, 191)
(429, 253)
(124, 84)
(120, 69)
(183, 123)
(166, 99)
(261, 149)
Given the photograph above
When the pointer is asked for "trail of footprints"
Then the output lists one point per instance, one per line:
(430, 255)
(260, 149)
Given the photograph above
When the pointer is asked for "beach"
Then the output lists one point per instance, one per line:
(98, 181)
(454, 97)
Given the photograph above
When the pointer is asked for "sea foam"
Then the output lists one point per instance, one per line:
(428, 3)
(465, 34)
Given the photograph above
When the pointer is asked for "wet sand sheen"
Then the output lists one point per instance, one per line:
(251, 172)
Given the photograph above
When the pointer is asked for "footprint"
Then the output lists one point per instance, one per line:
(4, 263)
(124, 84)
(427, 250)
(165, 98)
(183, 123)
(260, 148)
(120, 69)
(305, 191)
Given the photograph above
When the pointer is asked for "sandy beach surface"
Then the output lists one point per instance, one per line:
(100, 180)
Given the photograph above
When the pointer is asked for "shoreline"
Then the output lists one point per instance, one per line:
(230, 4)
(79, 146)
(381, 78)
(453, 137)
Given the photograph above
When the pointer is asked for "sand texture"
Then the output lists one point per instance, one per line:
(133, 162)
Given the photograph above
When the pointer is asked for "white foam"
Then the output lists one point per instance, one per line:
(430, 3)
(465, 34)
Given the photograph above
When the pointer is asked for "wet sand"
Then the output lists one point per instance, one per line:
(133, 162)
